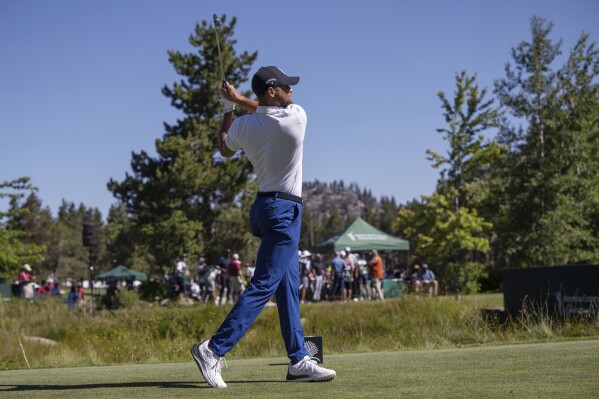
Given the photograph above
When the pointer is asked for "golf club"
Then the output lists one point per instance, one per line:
(216, 27)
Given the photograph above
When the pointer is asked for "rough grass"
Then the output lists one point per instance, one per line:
(547, 370)
(157, 335)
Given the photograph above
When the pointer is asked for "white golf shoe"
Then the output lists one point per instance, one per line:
(307, 370)
(209, 364)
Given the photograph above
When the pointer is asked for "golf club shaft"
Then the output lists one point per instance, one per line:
(220, 58)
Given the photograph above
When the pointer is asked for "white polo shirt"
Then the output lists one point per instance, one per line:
(273, 139)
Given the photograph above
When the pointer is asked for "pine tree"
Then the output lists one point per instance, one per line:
(547, 186)
(14, 248)
(177, 197)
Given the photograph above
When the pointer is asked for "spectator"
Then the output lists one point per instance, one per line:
(249, 271)
(353, 261)
(41, 290)
(73, 298)
(318, 271)
(348, 278)
(211, 276)
(305, 272)
(363, 287)
(202, 271)
(426, 279)
(377, 275)
(80, 291)
(235, 278)
(195, 292)
(26, 282)
(181, 273)
(223, 267)
(408, 276)
(56, 288)
(338, 265)
(327, 283)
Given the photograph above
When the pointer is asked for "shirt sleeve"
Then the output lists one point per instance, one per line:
(232, 140)
(301, 113)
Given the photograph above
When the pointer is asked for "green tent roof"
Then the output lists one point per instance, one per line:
(361, 236)
(123, 273)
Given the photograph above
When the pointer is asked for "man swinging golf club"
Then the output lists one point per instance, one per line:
(272, 137)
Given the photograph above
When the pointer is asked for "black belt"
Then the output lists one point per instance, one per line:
(279, 194)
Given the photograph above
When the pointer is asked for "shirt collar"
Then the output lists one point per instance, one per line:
(267, 109)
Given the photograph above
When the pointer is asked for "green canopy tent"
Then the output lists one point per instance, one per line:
(361, 236)
(123, 273)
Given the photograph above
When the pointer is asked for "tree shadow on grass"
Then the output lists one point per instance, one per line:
(157, 384)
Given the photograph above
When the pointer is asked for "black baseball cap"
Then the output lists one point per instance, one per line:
(271, 76)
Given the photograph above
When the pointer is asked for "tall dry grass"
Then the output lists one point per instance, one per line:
(145, 334)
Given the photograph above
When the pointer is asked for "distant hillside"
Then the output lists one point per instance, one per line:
(325, 199)
(329, 208)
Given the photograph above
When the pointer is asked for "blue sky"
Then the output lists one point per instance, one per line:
(80, 80)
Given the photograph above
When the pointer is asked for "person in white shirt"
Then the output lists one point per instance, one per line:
(272, 137)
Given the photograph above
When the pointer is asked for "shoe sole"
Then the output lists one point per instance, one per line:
(195, 354)
(308, 378)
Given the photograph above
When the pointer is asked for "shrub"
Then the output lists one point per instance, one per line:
(152, 290)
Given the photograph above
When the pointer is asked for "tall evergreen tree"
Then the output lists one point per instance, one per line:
(67, 257)
(122, 245)
(177, 197)
(468, 116)
(36, 223)
(547, 184)
(14, 250)
(32, 218)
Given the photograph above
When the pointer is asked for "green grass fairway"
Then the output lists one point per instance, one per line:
(545, 370)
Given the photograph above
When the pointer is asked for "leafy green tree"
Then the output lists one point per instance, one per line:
(14, 248)
(446, 239)
(547, 186)
(177, 197)
(446, 229)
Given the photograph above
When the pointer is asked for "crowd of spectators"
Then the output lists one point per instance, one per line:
(346, 276)
(29, 288)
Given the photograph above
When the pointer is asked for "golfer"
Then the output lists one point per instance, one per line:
(272, 137)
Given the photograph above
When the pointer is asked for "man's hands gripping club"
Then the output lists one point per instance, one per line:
(228, 106)
(229, 97)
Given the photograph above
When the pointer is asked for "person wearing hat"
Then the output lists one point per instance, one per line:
(409, 276)
(26, 282)
(272, 137)
(426, 279)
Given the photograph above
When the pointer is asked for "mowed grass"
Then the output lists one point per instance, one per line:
(544, 370)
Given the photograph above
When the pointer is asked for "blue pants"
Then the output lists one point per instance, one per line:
(277, 222)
